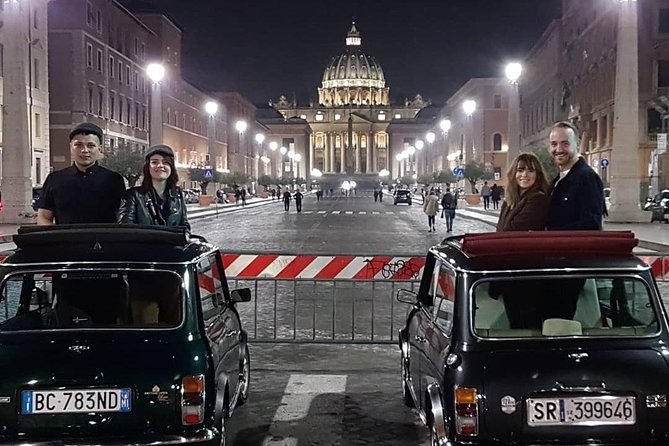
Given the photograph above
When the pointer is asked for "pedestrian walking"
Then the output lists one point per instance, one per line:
(376, 195)
(158, 200)
(449, 203)
(243, 197)
(577, 199)
(298, 200)
(526, 203)
(286, 200)
(381, 195)
(485, 194)
(85, 192)
(430, 207)
(495, 196)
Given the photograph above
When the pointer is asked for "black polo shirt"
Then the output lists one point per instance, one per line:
(93, 196)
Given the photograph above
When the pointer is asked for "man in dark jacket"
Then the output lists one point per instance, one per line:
(449, 203)
(298, 200)
(286, 200)
(577, 200)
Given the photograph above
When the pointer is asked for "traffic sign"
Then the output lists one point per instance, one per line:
(604, 163)
(209, 173)
(458, 171)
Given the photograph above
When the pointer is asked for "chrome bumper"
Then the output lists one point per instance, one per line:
(202, 436)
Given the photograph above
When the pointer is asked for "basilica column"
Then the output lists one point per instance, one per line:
(358, 148)
(343, 154)
(368, 153)
(375, 154)
(326, 153)
(332, 151)
(311, 154)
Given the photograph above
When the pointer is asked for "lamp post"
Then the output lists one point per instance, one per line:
(241, 126)
(624, 163)
(430, 137)
(211, 108)
(421, 162)
(282, 152)
(469, 107)
(156, 72)
(513, 71)
(445, 126)
(298, 158)
(260, 139)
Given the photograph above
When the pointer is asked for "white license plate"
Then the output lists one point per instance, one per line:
(76, 401)
(584, 411)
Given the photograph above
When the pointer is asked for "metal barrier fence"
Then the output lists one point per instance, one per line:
(323, 311)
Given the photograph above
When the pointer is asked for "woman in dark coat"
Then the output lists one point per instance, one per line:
(527, 198)
(158, 201)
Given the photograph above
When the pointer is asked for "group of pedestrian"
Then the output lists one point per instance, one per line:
(287, 196)
(240, 196)
(378, 195)
(86, 192)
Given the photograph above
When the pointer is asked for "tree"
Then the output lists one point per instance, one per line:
(197, 174)
(426, 179)
(475, 171)
(444, 176)
(265, 181)
(125, 160)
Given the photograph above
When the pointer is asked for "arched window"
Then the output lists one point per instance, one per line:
(497, 142)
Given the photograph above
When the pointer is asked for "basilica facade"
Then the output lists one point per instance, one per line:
(355, 130)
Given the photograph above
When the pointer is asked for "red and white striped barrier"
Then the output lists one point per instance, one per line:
(659, 266)
(248, 266)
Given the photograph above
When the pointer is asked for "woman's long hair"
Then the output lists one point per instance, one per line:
(172, 180)
(531, 162)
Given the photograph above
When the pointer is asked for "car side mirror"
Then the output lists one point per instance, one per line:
(407, 297)
(241, 295)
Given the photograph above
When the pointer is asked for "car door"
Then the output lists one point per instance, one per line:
(438, 330)
(220, 322)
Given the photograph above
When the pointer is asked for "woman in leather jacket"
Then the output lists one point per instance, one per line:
(158, 200)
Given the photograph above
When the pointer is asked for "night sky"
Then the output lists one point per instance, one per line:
(265, 48)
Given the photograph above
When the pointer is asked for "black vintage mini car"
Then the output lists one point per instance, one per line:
(118, 335)
(537, 338)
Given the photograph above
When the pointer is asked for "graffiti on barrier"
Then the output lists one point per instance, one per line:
(392, 269)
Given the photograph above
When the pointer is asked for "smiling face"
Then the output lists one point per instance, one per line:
(563, 147)
(85, 150)
(159, 168)
(526, 176)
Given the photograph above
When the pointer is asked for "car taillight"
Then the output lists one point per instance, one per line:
(192, 400)
(466, 411)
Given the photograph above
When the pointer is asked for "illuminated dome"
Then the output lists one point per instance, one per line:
(353, 77)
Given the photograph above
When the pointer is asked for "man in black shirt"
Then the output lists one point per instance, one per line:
(85, 192)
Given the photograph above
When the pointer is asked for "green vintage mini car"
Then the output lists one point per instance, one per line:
(117, 335)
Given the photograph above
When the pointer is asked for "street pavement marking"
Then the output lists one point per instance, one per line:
(296, 403)
(389, 212)
(403, 212)
(322, 212)
(308, 212)
(362, 213)
(349, 212)
(375, 213)
(336, 212)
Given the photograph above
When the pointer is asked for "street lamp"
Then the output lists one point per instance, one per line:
(430, 137)
(298, 158)
(282, 154)
(241, 126)
(469, 107)
(421, 163)
(513, 71)
(260, 138)
(156, 72)
(211, 107)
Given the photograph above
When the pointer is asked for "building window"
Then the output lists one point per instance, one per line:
(143, 117)
(497, 101)
(90, 99)
(111, 67)
(35, 18)
(129, 112)
(112, 105)
(38, 170)
(663, 73)
(663, 20)
(398, 116)
(136, 80)
(142, 51)
(38, 125)
(497, 142)
(98, 21)
(90, 17)
(98, 63)
(89, 55)
(381, 116)
(120, 72)
(136, 115)
(337, 116)
(121, 105)
(127, 74)
(497, 173)
(319, 116)
(36, 78)
(100, 102)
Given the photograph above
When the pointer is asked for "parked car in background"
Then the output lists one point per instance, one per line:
(35, 199)
(402, 196)
(118, 335)
(658, 206)
(537, 338)
(191, 196)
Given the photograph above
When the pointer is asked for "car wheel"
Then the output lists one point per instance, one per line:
(244, 377)
(406, 393)
(221, 429)
(409, 203)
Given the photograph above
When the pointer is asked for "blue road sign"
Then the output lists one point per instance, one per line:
(458, 171)
(208, 173)
(604, 163)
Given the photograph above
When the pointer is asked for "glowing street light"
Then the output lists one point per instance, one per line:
(211, 108)
(430, 137)
(283, 150)
(420, 144)
(156, 72)
(469, 107)
(260, 138)
(273, 145)
(241, 126)
(513, 71)
(445, 125)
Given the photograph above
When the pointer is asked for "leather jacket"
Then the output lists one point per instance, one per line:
(143, 208)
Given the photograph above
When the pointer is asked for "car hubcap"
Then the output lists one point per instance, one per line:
(244, 377)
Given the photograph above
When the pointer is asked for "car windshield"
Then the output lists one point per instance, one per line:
(90, 300)
(548, 307)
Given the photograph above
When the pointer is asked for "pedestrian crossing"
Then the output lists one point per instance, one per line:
(344, 212)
